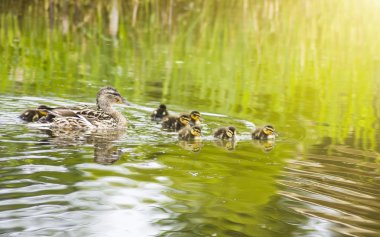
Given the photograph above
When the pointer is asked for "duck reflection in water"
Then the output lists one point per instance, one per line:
(194, 146)
(105, 152)
(226, 144)
(265, 145)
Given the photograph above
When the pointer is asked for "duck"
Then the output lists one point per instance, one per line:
(176, 123)
(33, 115)
(190, 133)
(195, 118)
(264, 133)
(103, 116)
(159, 113)
(225, 133)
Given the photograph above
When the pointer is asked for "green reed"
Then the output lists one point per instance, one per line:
(283, 62)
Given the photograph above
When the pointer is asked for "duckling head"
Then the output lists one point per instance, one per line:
(184, 119)
(196, 131)
(195, 115)
(162, 107)
(231, 132)
(269, 130)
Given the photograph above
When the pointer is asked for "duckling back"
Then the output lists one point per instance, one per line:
(225, 133)
(176, 123)
(169, 122)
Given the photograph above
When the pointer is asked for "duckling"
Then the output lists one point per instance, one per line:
(266, 132)
(195, 117)
(83, 118)
(176, 123)
(33, 115)
(159, 113)
(189, 133)
(225, 133)
(41, 114)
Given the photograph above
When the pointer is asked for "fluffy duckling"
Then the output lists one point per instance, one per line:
(33, 115)
(225, 133)
(159, 113)
(176, 123)
(195, 118)
(189, 133)
(45, 113)
(264, 133)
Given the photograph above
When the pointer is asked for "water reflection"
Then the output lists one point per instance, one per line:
(264, 145)
(170, 187)
(105, 150)
(336, 187)
(194, 146)
(226, 144)
(276, 66)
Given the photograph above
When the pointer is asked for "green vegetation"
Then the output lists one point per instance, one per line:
(266, 61)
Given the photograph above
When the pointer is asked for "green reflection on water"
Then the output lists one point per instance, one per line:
(308, 67)
(265, 60)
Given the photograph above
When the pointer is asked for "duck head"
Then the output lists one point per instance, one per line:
(108, 96)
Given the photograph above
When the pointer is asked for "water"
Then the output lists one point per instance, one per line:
(147, 183)
(242, 64)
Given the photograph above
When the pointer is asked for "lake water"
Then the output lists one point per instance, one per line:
(311, 69)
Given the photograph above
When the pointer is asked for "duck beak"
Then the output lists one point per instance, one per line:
(124, 101)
